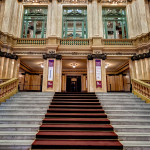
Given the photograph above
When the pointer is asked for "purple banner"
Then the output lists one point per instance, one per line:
(98, 73)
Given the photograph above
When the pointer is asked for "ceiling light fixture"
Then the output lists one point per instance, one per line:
(106, 66)
(42, 66)
(74, 65)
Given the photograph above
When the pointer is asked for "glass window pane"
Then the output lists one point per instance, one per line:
(110, 30)
(79, 29)
(114, 23)
(35, 21)
(70, 28)
(74, 23)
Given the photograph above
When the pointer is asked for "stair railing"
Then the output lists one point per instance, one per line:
(141, 89)
(8, 89)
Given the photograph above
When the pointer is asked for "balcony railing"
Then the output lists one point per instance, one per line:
(141, 89)
(8, 89)
(26, 41)
(125, 42)
(74, 42)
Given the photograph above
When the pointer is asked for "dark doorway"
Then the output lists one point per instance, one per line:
(73, 84)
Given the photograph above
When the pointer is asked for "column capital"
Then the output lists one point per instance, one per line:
(97, 56)
(57, 56)
(140, 56)
(8, 55)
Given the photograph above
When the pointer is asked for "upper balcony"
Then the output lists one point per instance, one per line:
(9, 40)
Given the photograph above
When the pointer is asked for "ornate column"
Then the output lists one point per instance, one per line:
(90, 75)
(54, 18)
(95, 18)
(63, 83)
(58, 74)
(83, 83)
(52, 72)
(96, 73)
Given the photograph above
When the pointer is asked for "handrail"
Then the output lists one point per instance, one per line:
(8, 89)
(141, 89)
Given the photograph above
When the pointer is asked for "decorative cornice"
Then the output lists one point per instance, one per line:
(8, 55)
(97, 56)
(58, 57)
(140, 56)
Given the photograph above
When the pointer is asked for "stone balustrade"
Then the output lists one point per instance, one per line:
(10, 40)
(8, 89)
(141, 89)
(31, 41)
(74, 42)
(124, 42)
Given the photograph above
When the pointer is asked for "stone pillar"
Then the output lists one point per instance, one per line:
(63, 83)
(142, 12)
(59, 20)
(103, 77)
(54, 18)
(16, 68)
(90, 76)
(89, 20)
(49, 15)
(147, 66)
(7, 16)
(129, 21)
(83, 83)
(58, 74)
(45, 76)
(95, 18)
(91, 73)
(100, 16)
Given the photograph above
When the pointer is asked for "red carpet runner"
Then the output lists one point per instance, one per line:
(76, 121)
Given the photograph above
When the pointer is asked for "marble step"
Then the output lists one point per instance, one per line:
(108, 102)
(134, 136)
(33, 110)
(17, 135)
(23, 115)
(128, 116)
(129, 111)
(19, 127)
(136, 145)
(130, 121)
(125, 107)
(23, 107)
(20, 121)
(29, 100)
(131, 128)
(15, 144)
(120, 99)
(26, 104)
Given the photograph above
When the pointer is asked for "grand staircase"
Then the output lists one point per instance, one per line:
(130, 117)
(76, 121)
(20, 118)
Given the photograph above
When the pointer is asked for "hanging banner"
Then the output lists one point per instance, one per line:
(98, 74)
(50, 73)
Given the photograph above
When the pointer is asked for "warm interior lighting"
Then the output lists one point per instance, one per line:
(42, 66)
(74, 65)
(106, 66)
